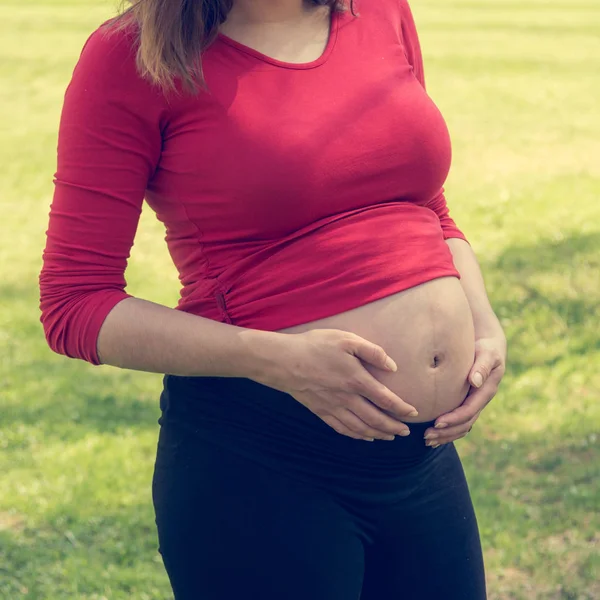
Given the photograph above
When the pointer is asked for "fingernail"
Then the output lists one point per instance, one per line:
(477, 380)
(441, 425)
(430, 443)
(435, 445)
(414, 413)
(390, 364)
(430, 436)
(369, 439)
(404, 432)
(391, 438)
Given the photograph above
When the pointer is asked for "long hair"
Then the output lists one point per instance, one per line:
(171, 35)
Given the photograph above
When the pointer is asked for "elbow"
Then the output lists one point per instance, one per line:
(53, 331)
(71, 318)
(61, 319)
(59, 334)
(52, 318)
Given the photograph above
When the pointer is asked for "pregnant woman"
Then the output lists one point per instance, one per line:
(329, 303)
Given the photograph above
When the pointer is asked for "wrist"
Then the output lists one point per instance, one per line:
(485, 321)
(488, 326)
(261, 354)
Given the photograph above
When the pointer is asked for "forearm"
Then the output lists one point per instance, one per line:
(485, 320)
(145, 336)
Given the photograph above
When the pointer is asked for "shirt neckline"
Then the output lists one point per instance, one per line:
(333, 33)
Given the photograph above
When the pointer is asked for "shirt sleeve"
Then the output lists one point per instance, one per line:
(412, 48)
(109, 145)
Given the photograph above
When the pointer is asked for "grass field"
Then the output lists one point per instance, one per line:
(518, 83)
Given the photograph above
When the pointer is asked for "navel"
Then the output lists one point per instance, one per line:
(436, 360)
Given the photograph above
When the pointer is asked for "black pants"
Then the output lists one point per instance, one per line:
(257, 498)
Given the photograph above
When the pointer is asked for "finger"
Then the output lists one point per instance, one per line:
(375, 418)
(371, 353)
(485, 362)
(446, 439)
(474, 403)
(443, 441)
(481, 369)
(477, 376)
(451, 433)
(380, 395)
(356, 424)
(338, 426)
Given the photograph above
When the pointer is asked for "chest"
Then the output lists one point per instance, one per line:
(273, 150)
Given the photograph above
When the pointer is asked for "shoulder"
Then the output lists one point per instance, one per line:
(106, 71)
(406, 14)
(108, 57)
(395, 10)
(106, 89)
(399, 14)
(396, 14)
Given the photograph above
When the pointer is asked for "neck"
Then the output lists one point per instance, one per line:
(269, 11)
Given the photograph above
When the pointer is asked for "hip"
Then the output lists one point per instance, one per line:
(266, 426)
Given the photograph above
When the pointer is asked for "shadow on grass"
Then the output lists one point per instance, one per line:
(100, 413)
(549, 255)
(110, 555)
(536, 499)
(547, 295)
(532, 492)
(62, 397)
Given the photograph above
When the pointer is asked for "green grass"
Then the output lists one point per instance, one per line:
(517, 82)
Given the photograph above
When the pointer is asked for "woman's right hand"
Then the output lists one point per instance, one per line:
(322, 370)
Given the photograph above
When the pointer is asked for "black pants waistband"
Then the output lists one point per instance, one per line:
(245, 412)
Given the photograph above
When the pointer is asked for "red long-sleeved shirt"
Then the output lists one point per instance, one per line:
(289, 192)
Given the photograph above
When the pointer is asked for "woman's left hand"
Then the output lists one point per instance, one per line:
(484, 377)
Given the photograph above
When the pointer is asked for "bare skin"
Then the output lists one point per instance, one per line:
(428, 331)
(287, 30)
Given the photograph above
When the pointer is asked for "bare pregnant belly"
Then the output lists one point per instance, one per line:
(428, 331)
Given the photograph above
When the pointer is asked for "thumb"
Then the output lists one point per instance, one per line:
(479, 372)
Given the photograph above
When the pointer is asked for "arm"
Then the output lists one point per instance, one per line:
(490, 352)
(412, 49)
(145, 336)
(109, 145)
(485, 320)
